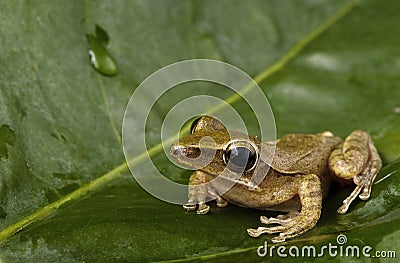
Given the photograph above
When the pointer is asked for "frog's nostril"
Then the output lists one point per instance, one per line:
(176, 151)
(180, 151)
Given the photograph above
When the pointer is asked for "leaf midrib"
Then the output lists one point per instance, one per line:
(101, 181)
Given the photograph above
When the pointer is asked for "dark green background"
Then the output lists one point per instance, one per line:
(56, 134)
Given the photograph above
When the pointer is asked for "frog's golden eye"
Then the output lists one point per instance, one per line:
(240, 156)
(208, 123)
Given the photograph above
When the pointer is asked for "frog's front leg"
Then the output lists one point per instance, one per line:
(356, 159)
(198, 192)
(291, 225)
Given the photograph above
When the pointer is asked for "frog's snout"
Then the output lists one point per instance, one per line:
(179, 151)
(175, 150)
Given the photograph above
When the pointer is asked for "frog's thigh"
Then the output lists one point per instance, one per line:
(356, 159)
(310, 194)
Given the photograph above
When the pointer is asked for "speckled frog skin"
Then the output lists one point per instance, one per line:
(296, 179)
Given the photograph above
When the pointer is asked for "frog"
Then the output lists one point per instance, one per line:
(297, 172)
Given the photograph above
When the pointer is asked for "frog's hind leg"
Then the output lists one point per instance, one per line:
(356, 159)
(296, 223)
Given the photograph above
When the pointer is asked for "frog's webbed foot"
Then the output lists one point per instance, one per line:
(295, 223)
(285, 221)
(288, 227)
(356, 159)
(198, 193)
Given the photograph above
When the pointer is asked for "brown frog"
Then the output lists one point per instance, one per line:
(295, 180)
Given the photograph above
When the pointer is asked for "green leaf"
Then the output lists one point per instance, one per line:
(7, 138)
(65, 190)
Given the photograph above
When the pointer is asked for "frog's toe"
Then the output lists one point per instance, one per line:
(286, 219)
(221, 202)
(365, 195)
(364, 181)
(346, 202)
(253, 232)
(278, 239)
(363, 192)
(203, 209)
(272, 220)
(369, 179)
(264, 220)
(264, 230)
(268, 230)
(189, 207)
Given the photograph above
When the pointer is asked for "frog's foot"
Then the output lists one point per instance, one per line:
(198, 193)
(363, 184)
(288, 227)
(295, 223)
(221, 202)
(201, 209)
(356, 159)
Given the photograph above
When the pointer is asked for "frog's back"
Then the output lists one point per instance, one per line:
(303, 153)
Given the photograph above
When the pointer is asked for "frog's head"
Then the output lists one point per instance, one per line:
(212, 148)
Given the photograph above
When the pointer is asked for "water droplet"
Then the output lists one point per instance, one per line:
(100, 58)
(102, 35)
(7, 137)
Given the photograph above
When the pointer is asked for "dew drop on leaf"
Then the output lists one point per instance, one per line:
(100, 58)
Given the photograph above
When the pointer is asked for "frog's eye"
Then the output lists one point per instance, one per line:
(194, 125)
(208, 123)
(240, 156)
